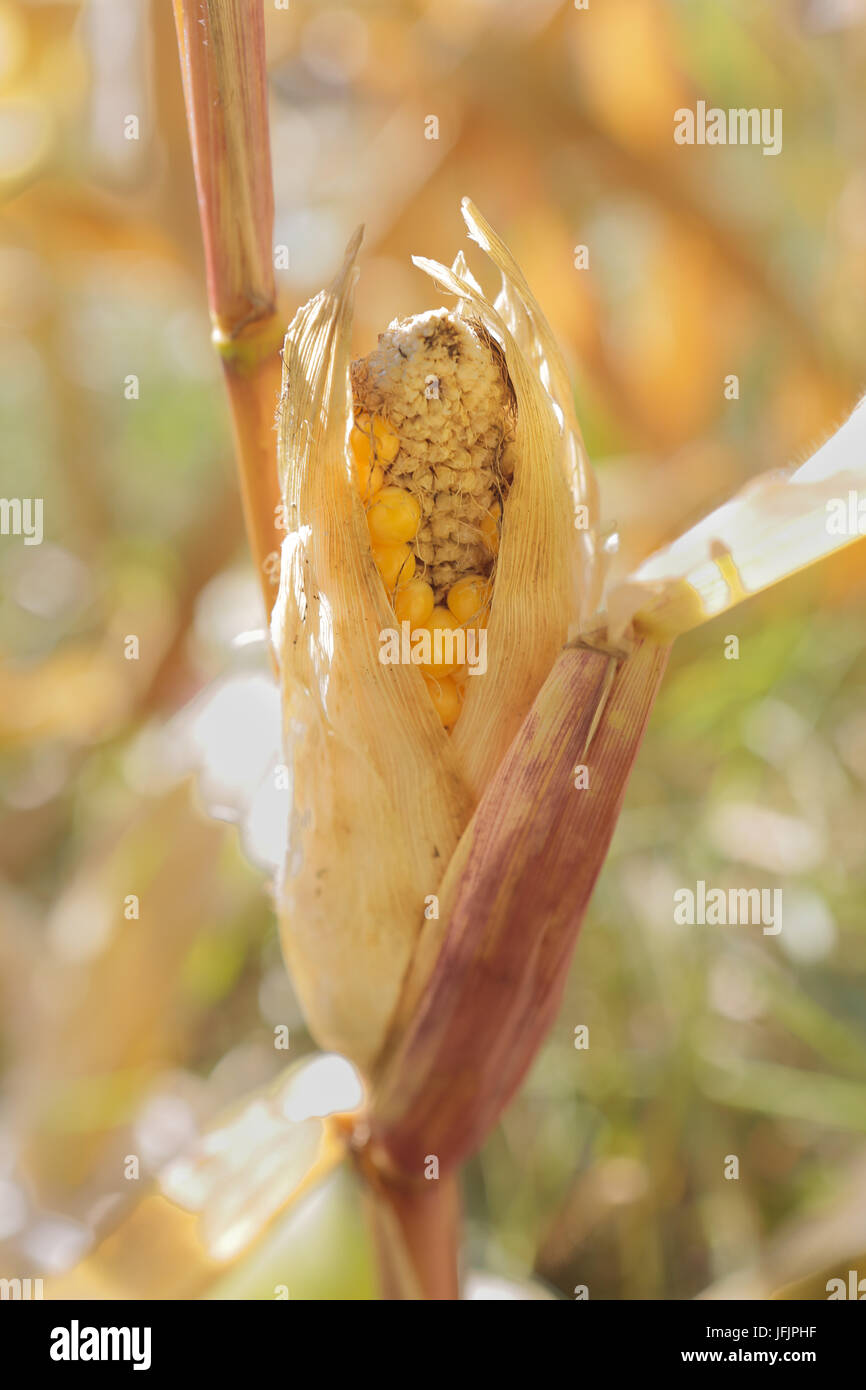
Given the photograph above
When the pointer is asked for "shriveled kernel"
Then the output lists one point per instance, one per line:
(414, 603)
(444, 693)
(490, 529)
(469, 600)
(395, 563)
(441, 620)
(393, 516)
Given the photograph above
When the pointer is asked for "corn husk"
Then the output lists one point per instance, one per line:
(378, 800)
(381, 793)
(523, 316)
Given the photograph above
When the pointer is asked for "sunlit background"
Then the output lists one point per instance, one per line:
(153, 777)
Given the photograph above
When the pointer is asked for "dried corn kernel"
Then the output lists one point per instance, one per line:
(442, 648)
(395, 563)
(445, 694)
(469, 600)
(381, 435)
(414, 603)
(393, 516)
(370, 475)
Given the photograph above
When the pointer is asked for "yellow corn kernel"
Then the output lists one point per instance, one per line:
(469, 600)
(445, 695)
(394, 515)
(387, 440)
(440, 618)
(361, 445)
(490, 529)
(414, 603)
(381, 435)
(369, 475)
(395, 563)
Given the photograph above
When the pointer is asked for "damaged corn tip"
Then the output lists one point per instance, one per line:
(469, 600)
(434, 410)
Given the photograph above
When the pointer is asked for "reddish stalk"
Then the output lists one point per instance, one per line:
(416, 1236)
(222, 54)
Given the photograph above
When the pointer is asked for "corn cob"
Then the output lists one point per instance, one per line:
(433, 482)
(434, 435)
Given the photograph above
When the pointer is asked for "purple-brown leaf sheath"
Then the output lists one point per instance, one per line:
(531, 857)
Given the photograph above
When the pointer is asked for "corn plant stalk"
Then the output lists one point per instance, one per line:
(416, 1235)
(222, 54)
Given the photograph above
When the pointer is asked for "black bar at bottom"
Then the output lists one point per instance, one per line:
(221, 1338)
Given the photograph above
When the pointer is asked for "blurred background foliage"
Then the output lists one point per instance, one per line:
(153, 777)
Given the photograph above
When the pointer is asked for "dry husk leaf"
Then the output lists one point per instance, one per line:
(778, 524)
